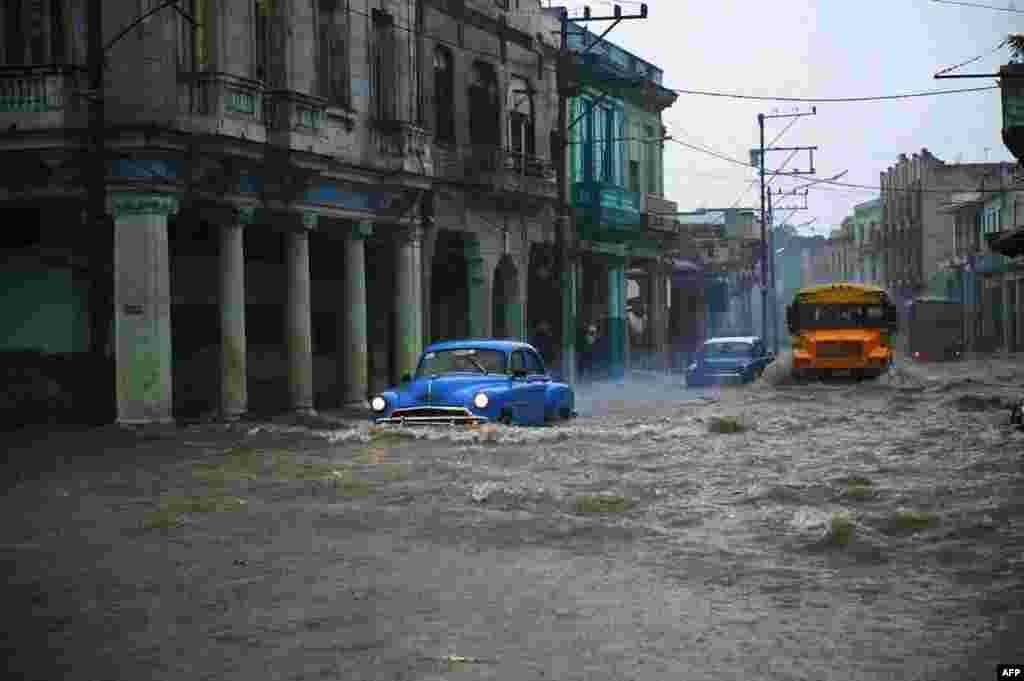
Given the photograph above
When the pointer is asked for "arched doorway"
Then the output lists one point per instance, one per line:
(543, 291)
(448, 276)
(506, 310)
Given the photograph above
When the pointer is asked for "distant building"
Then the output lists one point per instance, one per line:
(915, 234)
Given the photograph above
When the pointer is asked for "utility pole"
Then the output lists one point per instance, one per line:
(565, 243)
(769, 256)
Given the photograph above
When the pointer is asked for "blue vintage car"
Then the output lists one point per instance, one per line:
(468, 381)
(736, 359)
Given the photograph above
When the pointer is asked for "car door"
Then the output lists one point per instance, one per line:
(526, 394)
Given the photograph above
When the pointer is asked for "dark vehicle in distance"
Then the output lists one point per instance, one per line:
(733, 359)
(935, 329)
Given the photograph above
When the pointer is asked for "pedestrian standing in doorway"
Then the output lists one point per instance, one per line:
(587, 351)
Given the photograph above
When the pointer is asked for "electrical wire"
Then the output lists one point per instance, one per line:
(705, 93)
(974, 4)
(877, 98)
(916, 190)
(971, 61)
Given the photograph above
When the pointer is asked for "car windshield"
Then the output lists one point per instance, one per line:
(471, 360)
(733, 349)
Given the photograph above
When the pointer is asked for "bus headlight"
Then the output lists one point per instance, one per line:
(480, 401)
(378, 403)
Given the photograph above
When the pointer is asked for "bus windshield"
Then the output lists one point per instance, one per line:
(839, 315)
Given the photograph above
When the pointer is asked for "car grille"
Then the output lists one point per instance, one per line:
(412, 415)
(836, 349)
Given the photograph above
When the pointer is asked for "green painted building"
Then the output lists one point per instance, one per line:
(615, 179)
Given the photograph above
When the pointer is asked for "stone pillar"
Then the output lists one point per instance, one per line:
(353, 367)
(627, 332)
(487, 271)
(142, 307)
(474, 288)
(408, 316)
(655, 313)
(1020, 314)
(616, 322)
(1008, 313)
(567, 319)
(427, 246)
(298, 322)
(234, 397)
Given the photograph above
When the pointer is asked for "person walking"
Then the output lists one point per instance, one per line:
(587, 349)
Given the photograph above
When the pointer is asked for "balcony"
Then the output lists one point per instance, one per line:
(295, 120)
(42, 97)
(657, 213)
(221, 104)
(606, 204)
(401, 146)
(501, 171)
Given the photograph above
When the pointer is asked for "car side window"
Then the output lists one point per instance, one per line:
(518, 361)
(533, 363)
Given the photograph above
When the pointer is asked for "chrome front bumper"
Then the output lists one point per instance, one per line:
(431, 415)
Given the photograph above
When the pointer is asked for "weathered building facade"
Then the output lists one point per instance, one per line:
(302, 194)
(915, 235)
(989, 284)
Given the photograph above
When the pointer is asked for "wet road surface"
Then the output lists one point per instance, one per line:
(868, 530)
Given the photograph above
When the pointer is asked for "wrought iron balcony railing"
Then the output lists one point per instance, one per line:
(41, 89)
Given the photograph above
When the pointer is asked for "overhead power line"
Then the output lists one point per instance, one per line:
(980, 6)
(877, 98)
(971, 61)
(917, 190)
(727, 95)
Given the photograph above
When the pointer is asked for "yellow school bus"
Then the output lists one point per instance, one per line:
(841, 327)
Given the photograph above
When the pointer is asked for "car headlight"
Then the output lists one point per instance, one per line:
(378, 403)
(692, 367)
(480, 401)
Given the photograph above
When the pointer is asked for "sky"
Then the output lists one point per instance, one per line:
(823, 49)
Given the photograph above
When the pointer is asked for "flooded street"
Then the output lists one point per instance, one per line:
(848, 530)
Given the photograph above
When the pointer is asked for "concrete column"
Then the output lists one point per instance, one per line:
(1008, 313)
(427, 244)
(622, 310)
(488, 265)
(474, 288)
(408, 315)
(353, 367)
(142, 307)
(567, 323)
(298, 322)
(234, 397)
(656, 313)
(616, 322)
(1020, 314)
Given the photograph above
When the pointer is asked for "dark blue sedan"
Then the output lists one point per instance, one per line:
(737, 359)
(473, 381)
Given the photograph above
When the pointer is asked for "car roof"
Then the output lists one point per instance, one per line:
(733, 339)
(483, 343)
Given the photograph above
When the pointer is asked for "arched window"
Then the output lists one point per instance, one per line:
(444, 95)
(333, 58)
(484, 107)
(384, 66)
(521, 137)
